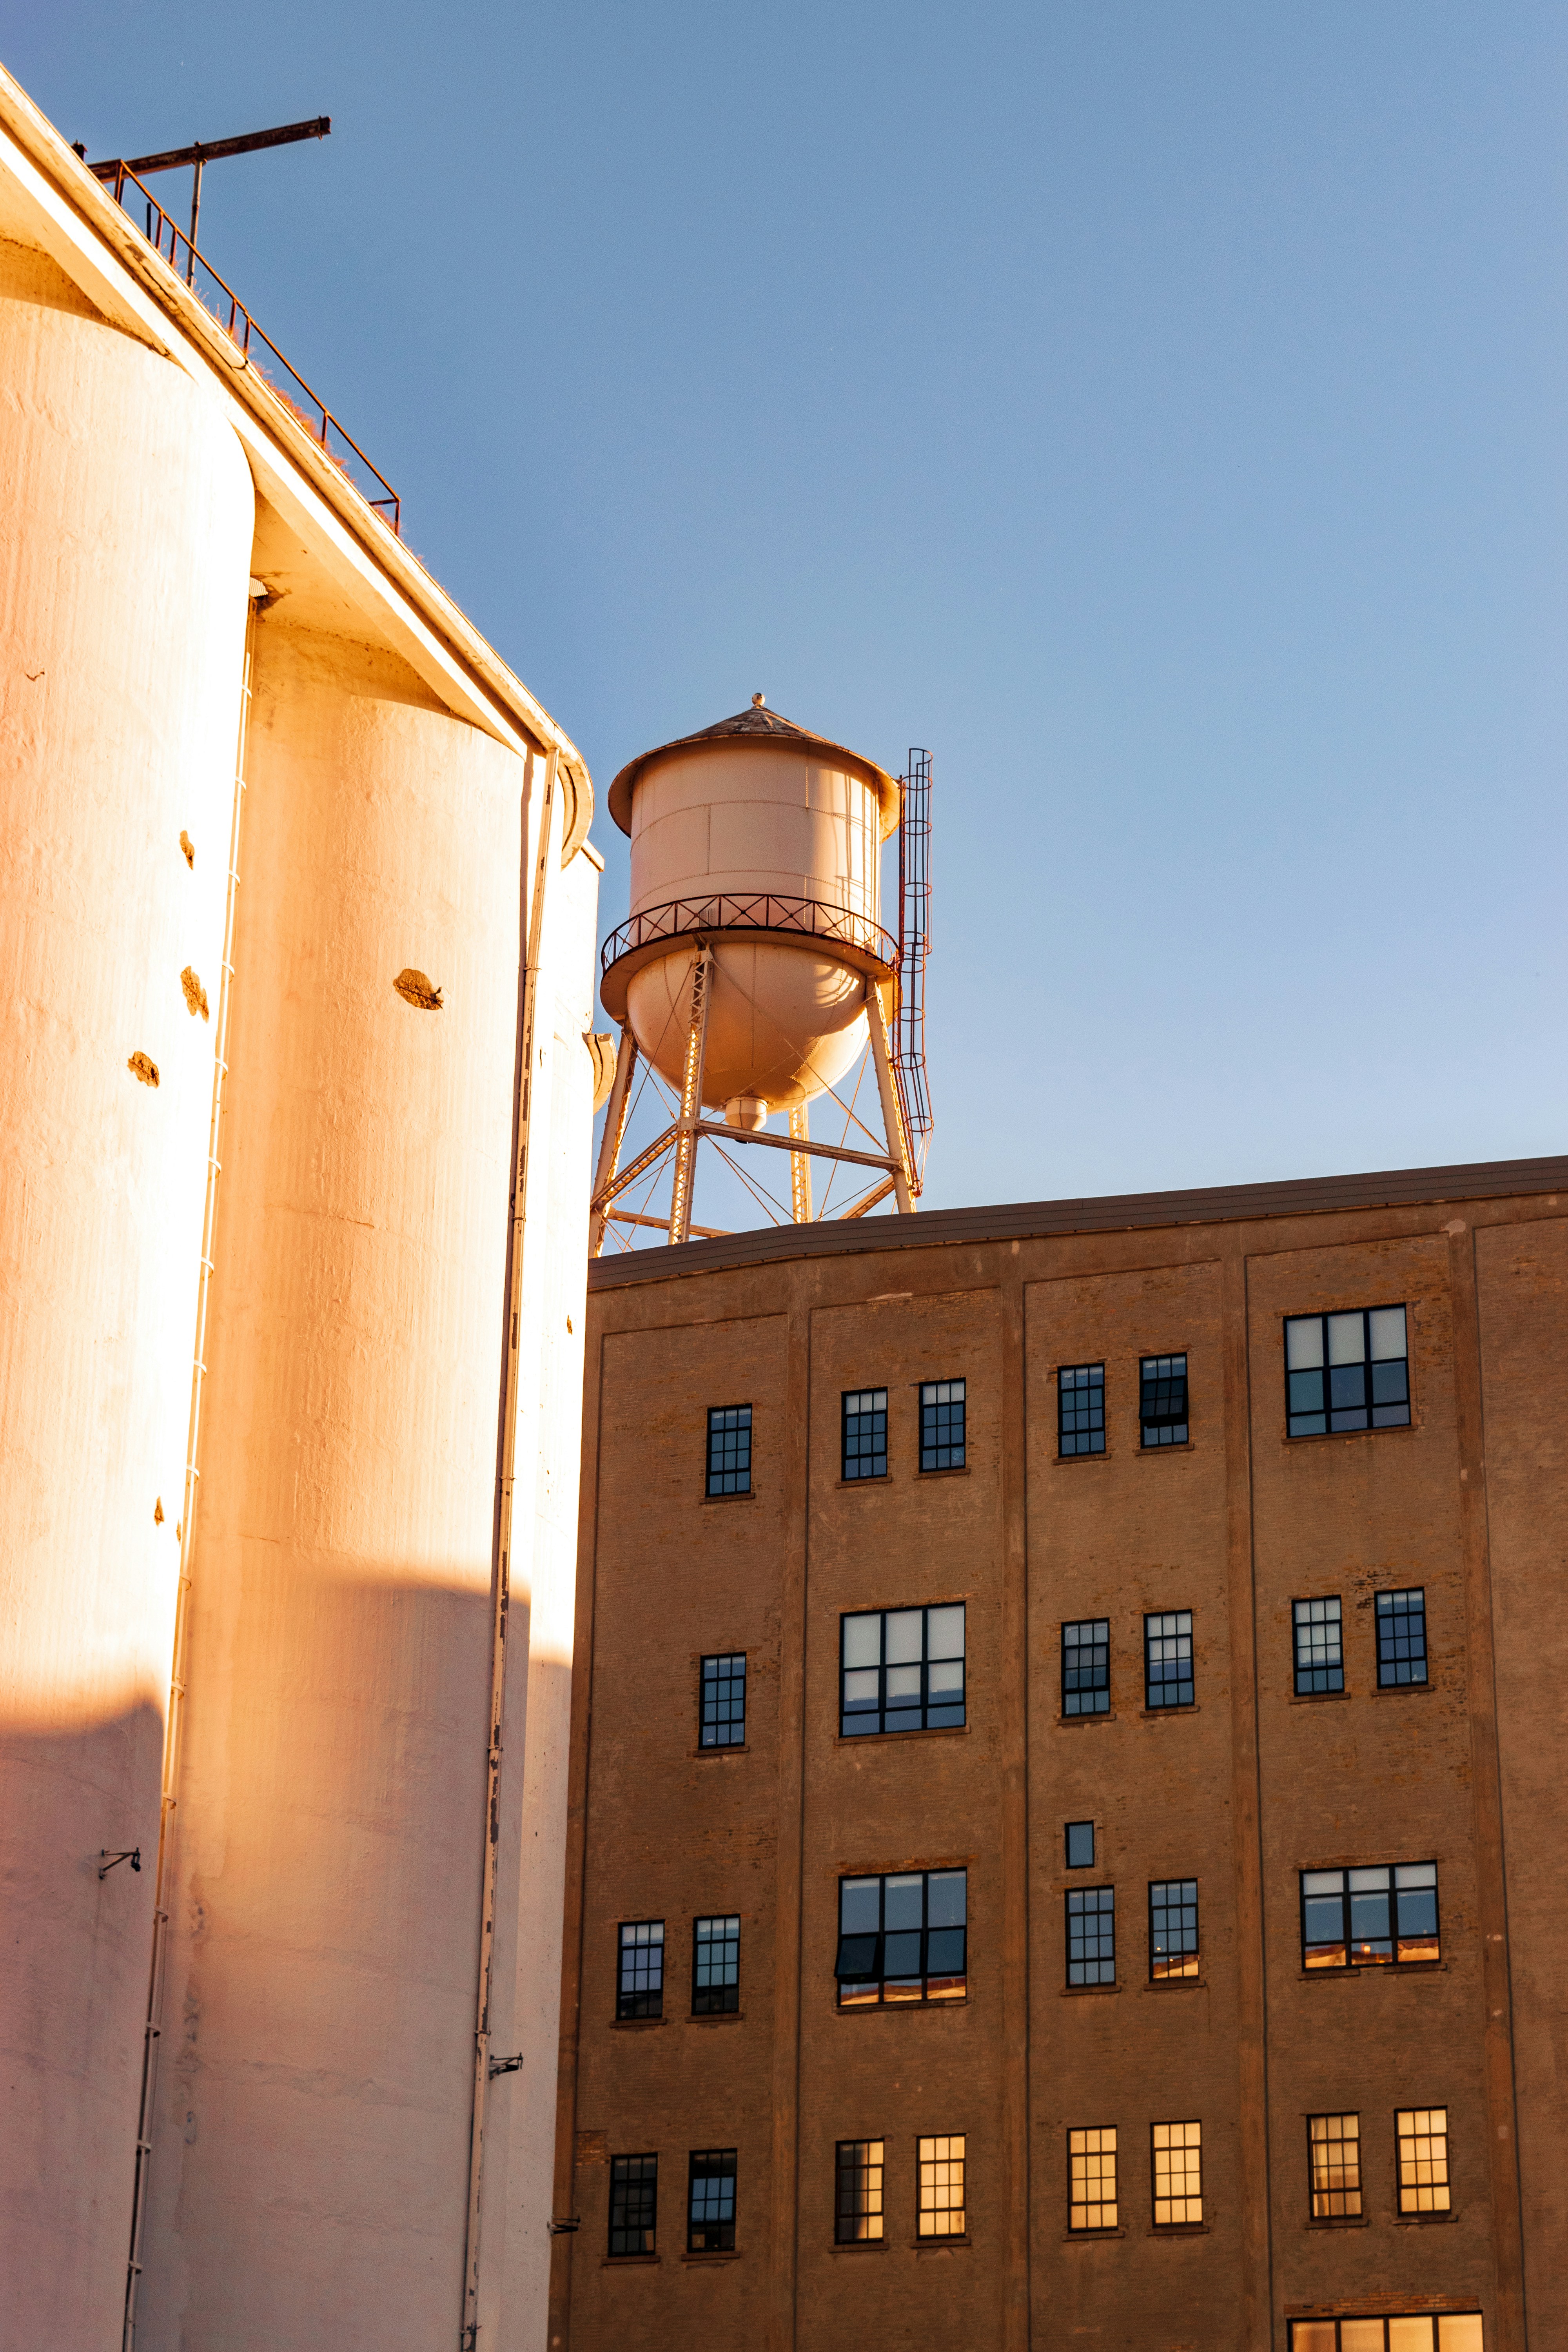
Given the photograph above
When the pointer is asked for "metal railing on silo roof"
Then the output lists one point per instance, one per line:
(173, 246)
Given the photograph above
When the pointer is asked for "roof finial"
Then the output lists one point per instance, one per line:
(757, 701)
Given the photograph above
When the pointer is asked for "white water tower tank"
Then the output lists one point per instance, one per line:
(762, 840)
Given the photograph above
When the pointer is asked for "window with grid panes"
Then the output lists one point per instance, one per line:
(1381, 1917)
(859, 2200)
(1446, 2331)
(1333, 2159)
(864, 1434)
(1162, 1400)
(1172, 1927)
(1091, 1935)
(1168, 1658)
(1091, 2178)
(942, 1409)
(1178, 2168)
(1086, 1667)
(1320, 1646)
(901, 1670)
(1401, 1638)
(903, 1937)
(1081, 1408)
(716, 1966)
(1346, 1372)
(1422, 2134)
(941, 2209)
(724, 1700)
(711, 2206)
(639, 1991)
(634, 2203)
(730, 1449)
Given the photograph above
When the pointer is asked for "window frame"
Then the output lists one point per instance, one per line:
(1151, 1381)
(1415, 2139)
(1067, 1829)
(1182, 1974)
(651, 2229)
(624, 2014)
(955, 1714)
(713, 2159)
(1327, 2189)
(725, 1478)
(1082, 1902)
(1188, 1682)
(940, 2146)
(860, 2176)
(1369, 1407)
(1101, 2134)
(875, 1976)
(870, 1405)
(1422, 1681)
(1307, 2334)
(929, 1402)
(729, 2006)
(1346, 1894)
(1335, 1666)
(716, 1659)
(1092, 1428)
(1187, 2197)
(1096, 1690)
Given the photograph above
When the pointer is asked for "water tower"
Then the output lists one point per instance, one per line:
(754, 972)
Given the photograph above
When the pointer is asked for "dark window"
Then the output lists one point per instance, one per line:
(941, 2209)
(901, 1670)
(1346, 1372)
(1333, 2159)
(1173, 1927)
(903, 1937)
(1177, 2152)
(711, 2217)
(1320, 1646)
(866, 1433)
(941, 1424)
(1401, 1638)
(724, 1700)
(1423, 2137)
(859, 2205)
(1086, 1667)
(1080, 1846)
(729, 1449)
(1091, 2178)
(634, 2203)
(1092, 1935)
(1168, 1658)
(640, 1989)
(1080, 1408)
(1369, 1919)
(716, 1966)
(1162, 1400)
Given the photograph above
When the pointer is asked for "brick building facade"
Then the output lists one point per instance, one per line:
(1068, 1804)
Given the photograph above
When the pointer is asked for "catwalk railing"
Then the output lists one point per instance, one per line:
(751, 912)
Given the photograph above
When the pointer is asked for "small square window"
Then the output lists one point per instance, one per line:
(1172, 1927)
(716, 1966)
(1423, 2137)
(1333, 2158)
(1346, 1372)
(723, 1701)
(710, 2211)
(865, 1450)
(903, 1939)
(1086, 1667)
(1091, 2178)
(1168, 1658)
(1401, 1639)
(942, 1409)
(639, 1991)
(1081, 1408)
(634, 2203)
(1162, 1400)
(1080, 1846)
(858, 2217)
(901, 1670)
(1092, 1935)
(942, 2207)
(1320, 1650)
(730, 1449)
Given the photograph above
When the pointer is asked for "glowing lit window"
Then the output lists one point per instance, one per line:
(730, 1449)
(1449, 2331)
(634, 2203)
(1162, 1400)
(1172, 1927)
(1333, 2159)
(1178, 2171)
(903, 1939)
(1081, 1408)
(942, 1409)
(901, 1670)
(711, 2201)
(1384, 1915)
(1091, 2178)
(1320, 1646)
(639, 1991)
(1346, 1372)
(1423, 2137)
(859, 2192)
(1086, 1667)
(941, 2210)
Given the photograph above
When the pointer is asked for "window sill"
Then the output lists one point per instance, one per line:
(1179, 2230)
(1402, 1690)
(937, 2245)
(897, 2007)
(728, 2254)
(882, 1738)
(954, 1470)
(1176, 1984)
(735, 1748)
(1182, 1706)
(1081, 1992)
(1065, 1460)
(1341, 2221)
(1317, 1698)
(1071, 1722)
(716, 2017)
(1375, 1969)
(1421, 2221)
(1090, 2237)
(1351, 1436)
(623, 2262)
(850, 1485)
(749, 1496)
(635, 2025)
(860, 2245)
(1153, 1453)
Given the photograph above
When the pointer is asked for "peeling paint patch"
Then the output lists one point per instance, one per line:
(196, 994)
(142, 1066)
(158, 1512)
(188, 849)
(416, 990)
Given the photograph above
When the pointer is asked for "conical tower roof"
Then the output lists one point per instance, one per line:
(772, 726)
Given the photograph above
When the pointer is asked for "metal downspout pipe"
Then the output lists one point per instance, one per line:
(169, 1798)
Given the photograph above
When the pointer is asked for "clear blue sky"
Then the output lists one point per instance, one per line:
(1154, 406)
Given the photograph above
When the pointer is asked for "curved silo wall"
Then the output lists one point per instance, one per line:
(124, 551)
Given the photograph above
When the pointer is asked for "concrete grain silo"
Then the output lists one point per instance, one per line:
(297, 915)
